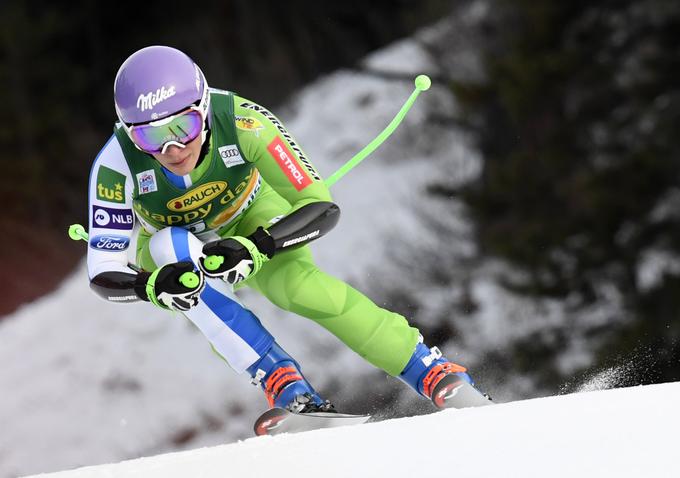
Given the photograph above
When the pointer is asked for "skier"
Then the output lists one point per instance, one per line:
(225, 197)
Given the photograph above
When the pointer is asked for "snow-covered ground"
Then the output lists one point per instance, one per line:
(615, 433)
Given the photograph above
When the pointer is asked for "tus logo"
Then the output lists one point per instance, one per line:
(114, 194)
(110, 185)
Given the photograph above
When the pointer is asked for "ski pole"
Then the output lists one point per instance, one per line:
(77, 233)
(422, 83)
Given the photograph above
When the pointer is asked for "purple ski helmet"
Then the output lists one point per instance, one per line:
(156, 82)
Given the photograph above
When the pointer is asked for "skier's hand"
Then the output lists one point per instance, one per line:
(174, 286)
(233, 259)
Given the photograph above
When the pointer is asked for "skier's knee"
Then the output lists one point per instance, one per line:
(174, 244)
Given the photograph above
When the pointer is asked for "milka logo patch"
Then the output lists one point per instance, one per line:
(146, 180)
(151, 99)
(230, 155)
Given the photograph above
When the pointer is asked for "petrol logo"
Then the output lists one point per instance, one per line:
(288, 164)
(113, 218)
(110, 243)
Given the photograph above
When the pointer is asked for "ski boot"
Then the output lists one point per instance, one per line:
(447, 384)
(284, 385)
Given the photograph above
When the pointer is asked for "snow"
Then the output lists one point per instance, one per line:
(615, 433)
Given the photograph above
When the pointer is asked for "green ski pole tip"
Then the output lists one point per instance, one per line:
(212, 263)
(189, 279)
(76, 232)
(423, 82)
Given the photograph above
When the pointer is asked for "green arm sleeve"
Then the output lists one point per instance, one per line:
(277, 156)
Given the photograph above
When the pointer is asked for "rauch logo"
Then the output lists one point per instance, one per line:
(197, 197)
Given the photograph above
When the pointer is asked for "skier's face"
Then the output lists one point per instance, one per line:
(178, 160)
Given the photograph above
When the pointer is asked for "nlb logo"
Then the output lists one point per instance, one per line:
(113, 218)
(101, 217)
(197, 197)
(110, 242)
(288, 164)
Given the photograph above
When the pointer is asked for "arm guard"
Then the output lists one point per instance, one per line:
(298, 228)
(116, 286)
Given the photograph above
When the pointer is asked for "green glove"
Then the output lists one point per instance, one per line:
(174, 286)
(233, 259)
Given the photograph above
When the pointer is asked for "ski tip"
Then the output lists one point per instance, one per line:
(279, 420)
(269, 421)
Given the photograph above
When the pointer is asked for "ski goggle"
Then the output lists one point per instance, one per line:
(178, 130)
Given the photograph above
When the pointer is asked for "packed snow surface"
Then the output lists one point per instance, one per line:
(613, 433)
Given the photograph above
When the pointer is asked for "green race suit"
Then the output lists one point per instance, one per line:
(253, 174)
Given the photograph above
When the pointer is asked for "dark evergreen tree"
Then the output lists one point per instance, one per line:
(580, 186)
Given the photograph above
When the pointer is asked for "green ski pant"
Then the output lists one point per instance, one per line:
(292, 281)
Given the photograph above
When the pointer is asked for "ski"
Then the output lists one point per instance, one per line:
(454, 392)
(280, 420)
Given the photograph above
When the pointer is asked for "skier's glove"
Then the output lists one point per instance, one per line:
(173, 286)
(233, 259)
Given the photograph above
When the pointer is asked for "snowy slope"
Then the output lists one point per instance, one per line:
(616, 433)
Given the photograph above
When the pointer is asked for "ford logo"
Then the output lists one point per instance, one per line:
(110, 242)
